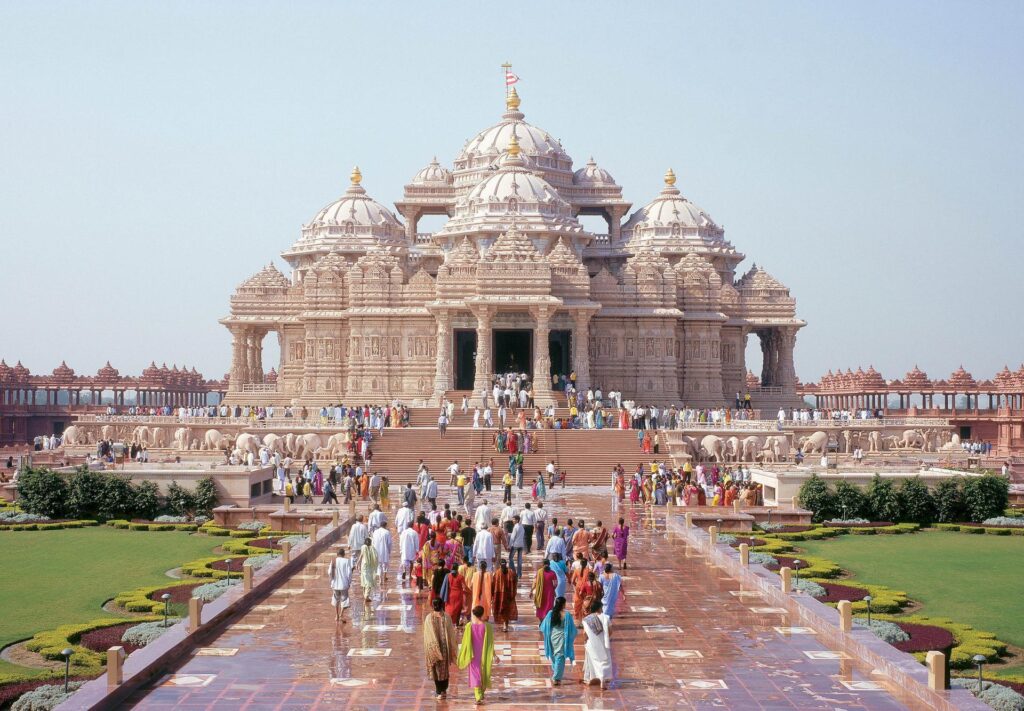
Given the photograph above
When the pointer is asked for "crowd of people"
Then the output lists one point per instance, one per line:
(689, 485)
(467, 560)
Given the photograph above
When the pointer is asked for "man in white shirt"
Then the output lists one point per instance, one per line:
(483, 548)
(356, 536)
(488, 420)
(404, 517)
(377, 518)
(555, 545)
(432, 492)
(381, 542)
(409, 543)
(541, 525)
(551, 472)
(476, 418)
(482, 518)
(339, 573)
(507, 515)
(453, 471)
(516, 543)
(528, 517)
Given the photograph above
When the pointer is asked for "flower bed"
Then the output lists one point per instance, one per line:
(228, 564)
(142, 599)
(809, 567)
(273, 544)
(924, 638)
(859, 524)
(752, 542)
(883, 599)
(981, 528)
(49, 644)
(969, 641)
(104, 638)
(180, 594)
(9, 691)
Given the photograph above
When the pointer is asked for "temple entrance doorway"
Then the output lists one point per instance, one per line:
(465, 358)
(513, 352)
(559, 348)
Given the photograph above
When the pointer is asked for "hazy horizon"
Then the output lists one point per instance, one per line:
(868, 156)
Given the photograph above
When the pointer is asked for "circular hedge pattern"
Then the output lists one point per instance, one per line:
(106, 637)
(180, 594)
(924, 638)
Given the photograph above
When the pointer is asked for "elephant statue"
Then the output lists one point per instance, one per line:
(289, 444)
(815, 443)
(767, 453)
(74, 435)
(750, 447)
(732, 449)
(248, 443)
(874, 441)
(215, 439)
(912, 439)
(140, 435)
(337, 445)
(274, 444)
(307, 445)
(107, 432)
(157, 437)
(892, 442)
(848, 437)
(712, 447)
(779, 447)
(182, 437)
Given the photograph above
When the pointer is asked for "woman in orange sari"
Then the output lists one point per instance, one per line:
(483, 589)
(454, 594)
(503, 596)
(364, 486)
(588, 590)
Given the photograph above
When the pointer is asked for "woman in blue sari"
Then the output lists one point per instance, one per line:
(559, 630)
(558, 567)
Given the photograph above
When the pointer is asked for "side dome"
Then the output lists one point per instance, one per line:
(433, 174)
(355, 222)
(592, 174)
(671, 209)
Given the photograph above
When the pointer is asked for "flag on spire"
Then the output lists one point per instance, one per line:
(510, 78)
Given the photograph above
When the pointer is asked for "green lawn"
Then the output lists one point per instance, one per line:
(976, 579)
(59, 577)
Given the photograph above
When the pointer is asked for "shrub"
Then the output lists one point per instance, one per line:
(915, 502)
(883, 500)
(758, 558)
(810, 587)
(969, 641)
(49, 644)
(142, 634)
(986, 496)
(86, 493)
(994, 521)
(138, 600)
(253, 525)
(769, 527)
(845, 521)
(999, 697)
(43, 492)
(44, 698)
(816, 496)
(170, 519)
(949, 501)
(726, 538)
(851, 502)
(883, 629)
(211, 591)
(147, 500)
(204, 500)
(15, 516)
(261, 560)
(118, 498)
(179, 499)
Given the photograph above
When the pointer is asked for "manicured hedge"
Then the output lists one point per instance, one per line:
(149, 526)
(47, 525)
(50, 643)
(138, 600)
(202, 568)
(969, 641)
(979, 530)
(883, 599)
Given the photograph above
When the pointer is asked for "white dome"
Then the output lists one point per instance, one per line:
(534, 142)
(433, 173)
(670, 209)
(592, 174)
(355, 222)
(514, 184)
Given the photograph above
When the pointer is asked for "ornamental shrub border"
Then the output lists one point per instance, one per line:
(49, 643)
(47, 525)
(883, 599)
(980, 530)
(137, 526)
(969, 641)
(138, 600)
(819, 532)
(202, 567)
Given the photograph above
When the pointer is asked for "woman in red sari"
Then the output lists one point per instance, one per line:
(647, 442)
(512, 444)
(586, 592)
(454, 594)
(503, 596)
(544, 590)
(634, 490)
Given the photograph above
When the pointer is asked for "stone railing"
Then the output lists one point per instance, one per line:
(259, 387)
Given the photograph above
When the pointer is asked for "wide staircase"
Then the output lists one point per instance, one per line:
(587, 456)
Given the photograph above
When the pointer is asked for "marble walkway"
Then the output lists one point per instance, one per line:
(686, 638)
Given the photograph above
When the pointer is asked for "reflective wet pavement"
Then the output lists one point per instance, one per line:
(683, 639)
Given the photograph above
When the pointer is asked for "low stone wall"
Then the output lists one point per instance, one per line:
(901, 668)
(157, 658)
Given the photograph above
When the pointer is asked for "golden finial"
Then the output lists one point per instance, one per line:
(513, 146)
(670, 178)
(512, 100)
(356, 176)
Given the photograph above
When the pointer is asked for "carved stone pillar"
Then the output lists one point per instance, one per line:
(773, 357)
(257, 375)
(541, 354)
(786, 369)
(443, 374)
(482, 377)
(581, 348)
(238, 359)
(251, 365)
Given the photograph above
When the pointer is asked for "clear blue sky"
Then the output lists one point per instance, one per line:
(868, 154)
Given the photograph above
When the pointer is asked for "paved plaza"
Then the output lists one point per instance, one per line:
(685, 637)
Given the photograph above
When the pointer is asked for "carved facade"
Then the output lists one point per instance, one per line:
(374, 309)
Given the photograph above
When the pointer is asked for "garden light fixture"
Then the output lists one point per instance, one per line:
(166, 597)
(979, 660)
(67, 652)
(796, 568)
(867, 599)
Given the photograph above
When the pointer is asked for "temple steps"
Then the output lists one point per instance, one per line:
(586, 455)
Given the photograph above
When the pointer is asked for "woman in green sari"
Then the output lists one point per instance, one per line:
(477, 653)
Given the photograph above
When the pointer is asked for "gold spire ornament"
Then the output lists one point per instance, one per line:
(512, 100)
(513, 146)
(356, 176)
(670, 178)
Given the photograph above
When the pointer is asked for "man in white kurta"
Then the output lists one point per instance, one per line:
(598, 660)
(409, 543)
(339, 573)
(356, 535)
(556, 544)
(482, 518)
(377, 518)
(404, 518)
(483, 548)
(381, 542)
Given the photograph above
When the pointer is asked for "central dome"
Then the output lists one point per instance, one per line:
(540, 151)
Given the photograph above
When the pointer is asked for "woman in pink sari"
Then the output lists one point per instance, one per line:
(620, 535)
(544, 590)
(634, 490)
